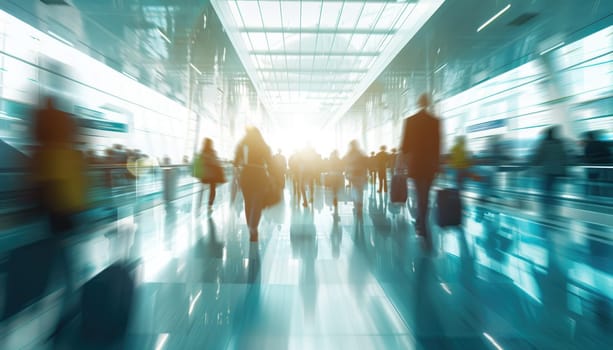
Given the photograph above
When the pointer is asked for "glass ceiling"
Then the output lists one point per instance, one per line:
(311, 58)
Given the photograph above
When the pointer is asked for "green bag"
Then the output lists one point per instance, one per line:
(198, 167)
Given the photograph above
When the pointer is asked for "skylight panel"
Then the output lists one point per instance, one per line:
(263, 61)
(335, 47)
(358, 41)
(320, 62)
(389, 16)
(250, 14)
(271, 13)
(369, 15)
(290, 11)
(406, 15)
(275, 41)
(330, 14)
(310, 13)
(236, 14)
(350, 15)
(323, 42)
(306, 44)
(258, 41)
(363, 62)
(374, 42)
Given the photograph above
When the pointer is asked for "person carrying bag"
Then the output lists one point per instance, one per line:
(209, 171)
(258, 186)
(398, 190)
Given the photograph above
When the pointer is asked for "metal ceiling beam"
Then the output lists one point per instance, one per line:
(306, 53)
(335, 91)
(314, 81)
(322, 71)
(317, 30)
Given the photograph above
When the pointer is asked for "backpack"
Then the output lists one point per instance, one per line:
(197, 167)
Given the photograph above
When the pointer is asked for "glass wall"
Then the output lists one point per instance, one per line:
(112, 107)
(571, 86)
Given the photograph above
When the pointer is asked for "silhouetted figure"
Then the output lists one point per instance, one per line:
(392, 159)
(596, 152)
(336, 178)
(356, 165)
(280, 165)
(309, 163)
(254, 157)
(460, 161)
(552, 158)
(58, 168)
(295, 172)
(372, 168)
(421, 148)
(382, 159)
(58, 173)
(212, 172)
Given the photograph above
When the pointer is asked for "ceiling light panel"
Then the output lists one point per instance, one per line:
(323, 54)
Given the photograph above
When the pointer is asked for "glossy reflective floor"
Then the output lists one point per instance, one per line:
(317, 280)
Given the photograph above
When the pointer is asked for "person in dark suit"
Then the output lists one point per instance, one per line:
(421, 148)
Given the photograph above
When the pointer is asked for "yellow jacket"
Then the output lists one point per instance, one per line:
(60, 171)
(459, 157)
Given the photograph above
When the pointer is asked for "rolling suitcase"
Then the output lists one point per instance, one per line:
(28, 271)
(448, 208)
(398, 190)
(106, 303)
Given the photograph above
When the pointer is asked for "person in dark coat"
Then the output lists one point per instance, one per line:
(356, 167)
(212, 171)
(382, 159)
(372, 169)
(596, 152)
(253, 156)
(421, 148)
(552, 158)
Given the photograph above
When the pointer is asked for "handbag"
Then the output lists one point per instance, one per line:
(273, 192)
(213, 171)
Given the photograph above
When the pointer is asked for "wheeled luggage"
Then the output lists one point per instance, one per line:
(106, 303)
(448, 207)
(398, 190)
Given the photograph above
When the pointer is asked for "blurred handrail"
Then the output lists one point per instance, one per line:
(109, 166)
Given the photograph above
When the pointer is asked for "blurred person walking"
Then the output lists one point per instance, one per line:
(58, 173)
(212, 172)
(58, 168)
(280, 164)
(294, 170)
(596, 153)
(254, 159)
(382, 160)
(551, 157)
(357, 164)
(372, 169)
(460, 161)
(421, 150)
(310, 163)
(334, 178)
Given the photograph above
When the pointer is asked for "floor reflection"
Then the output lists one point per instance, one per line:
(321, 278)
